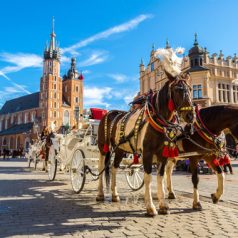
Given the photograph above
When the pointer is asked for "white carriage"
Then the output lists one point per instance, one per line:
(77, 153)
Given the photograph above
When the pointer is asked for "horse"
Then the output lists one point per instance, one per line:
(208, 141)
(140, 131)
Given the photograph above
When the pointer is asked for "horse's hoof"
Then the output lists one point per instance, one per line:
(100, 198)
(171, 196)
(197, 206)
(151, 212)
(214, 198)
(115, 198)
(164, 210)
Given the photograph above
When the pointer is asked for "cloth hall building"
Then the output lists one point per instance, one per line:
(213, 77)
(59, 103)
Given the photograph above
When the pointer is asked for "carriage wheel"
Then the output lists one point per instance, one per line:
(134, 178)
(52, 164)
(77, 171)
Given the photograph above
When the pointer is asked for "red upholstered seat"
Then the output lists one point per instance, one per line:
(97, 113)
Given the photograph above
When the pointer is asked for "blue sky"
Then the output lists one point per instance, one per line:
(108, 38)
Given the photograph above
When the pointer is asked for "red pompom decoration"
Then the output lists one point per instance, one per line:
(171, 152)
(136, 159)
(165, 152)
(171, 106)
(222, 161)
(105, 148)
(215, 162)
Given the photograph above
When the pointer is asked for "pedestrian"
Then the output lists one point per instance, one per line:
(229, 167)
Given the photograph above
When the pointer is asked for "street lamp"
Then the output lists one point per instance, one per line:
(76, 115)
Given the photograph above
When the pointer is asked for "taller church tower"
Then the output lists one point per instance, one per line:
(51, 85)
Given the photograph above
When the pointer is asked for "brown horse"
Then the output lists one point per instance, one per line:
(125, 132)
(215, 120)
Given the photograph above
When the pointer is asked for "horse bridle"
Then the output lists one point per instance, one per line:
(174, 83)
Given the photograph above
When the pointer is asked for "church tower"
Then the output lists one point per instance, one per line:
(51, 85)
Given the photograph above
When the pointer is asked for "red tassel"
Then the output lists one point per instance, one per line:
(215, 162)
(171, 106)
(222, 161)
(105, 148)
(171, 152)
(227, 159)
(176, 152)
(136, 159)
(165, 152)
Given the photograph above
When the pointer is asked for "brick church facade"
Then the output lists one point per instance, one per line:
(59, 103)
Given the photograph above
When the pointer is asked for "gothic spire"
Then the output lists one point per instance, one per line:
(52, 35)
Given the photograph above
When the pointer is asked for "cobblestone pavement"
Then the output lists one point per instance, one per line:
(31, 206)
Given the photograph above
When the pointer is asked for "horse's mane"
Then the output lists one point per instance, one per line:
(162, 99)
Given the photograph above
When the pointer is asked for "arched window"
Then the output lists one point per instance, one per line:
(66, 118)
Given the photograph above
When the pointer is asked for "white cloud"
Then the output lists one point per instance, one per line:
(18, 86)
(95, 96)
(120, 78)
(127, 26)
(96, 57)
(20, 61)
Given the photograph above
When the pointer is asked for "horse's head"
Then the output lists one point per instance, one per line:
(170, 61)
(180, 97)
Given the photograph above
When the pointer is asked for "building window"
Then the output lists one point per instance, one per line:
(77, 89)
(76, 99)
(55, 95)
(196, 62)
(152, 67)
(55, 105)
(54, 113)
(55, 78)
(197, 91)
(224, 92)
(201, 61)
(235, 94)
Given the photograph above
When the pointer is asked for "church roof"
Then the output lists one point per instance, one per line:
(17, 129)
(20, 104)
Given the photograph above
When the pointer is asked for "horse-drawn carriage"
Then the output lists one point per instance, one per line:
(155, 131)
(77, 154)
